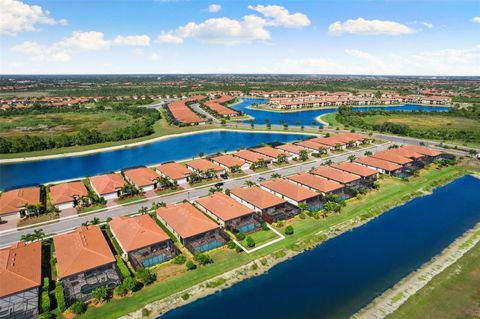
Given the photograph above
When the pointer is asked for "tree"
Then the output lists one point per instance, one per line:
(249, 183)
(275, 175)
(367, 153)
(143, 210)
(203, 259)
(282, 158)
(289, 230)
(332, 207)
(190, 265)
(250, 242)
(303, 155)
(351, 158)
(100, 293)
(285, 126)
(145, 276)
(78, 308)
(227, 191)
(303, 207)
(37, 234)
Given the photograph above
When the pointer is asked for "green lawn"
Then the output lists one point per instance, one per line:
(261, 237)
(426, 121)
(391, 193)
(330, 118)
(454, 293)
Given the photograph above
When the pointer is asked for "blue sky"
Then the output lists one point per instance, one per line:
(181, 36)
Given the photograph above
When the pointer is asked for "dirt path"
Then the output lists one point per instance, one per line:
(393, 298)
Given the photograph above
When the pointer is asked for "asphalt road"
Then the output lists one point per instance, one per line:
(10, 236)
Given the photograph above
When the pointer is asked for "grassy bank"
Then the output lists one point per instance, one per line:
(392, 192)
(451, 294)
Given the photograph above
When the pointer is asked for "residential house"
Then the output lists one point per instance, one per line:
(143, 178)
(205, 168)
(316, 183)
(67, 195)
(293, 193)
(15, 202)
(273, 153)
(384, 167)
(108, 186)
(230, 162)
(175, 172)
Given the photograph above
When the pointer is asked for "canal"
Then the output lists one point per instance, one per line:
(344, 274)
(174, 148)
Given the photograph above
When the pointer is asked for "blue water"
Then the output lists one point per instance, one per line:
(345, 273)
(306, 117)
(175, 148)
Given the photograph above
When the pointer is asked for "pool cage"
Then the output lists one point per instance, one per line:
(153, 255)
(244, 224)
(207, 241)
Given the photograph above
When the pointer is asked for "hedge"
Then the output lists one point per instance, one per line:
(122, 267)
(60, 296)
(46, 284)
(45, 302)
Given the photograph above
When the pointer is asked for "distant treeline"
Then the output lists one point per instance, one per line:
(28, 143)
(349, 117)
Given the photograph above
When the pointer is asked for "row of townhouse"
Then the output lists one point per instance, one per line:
(181, 113)
(84, 260)
(217, 105)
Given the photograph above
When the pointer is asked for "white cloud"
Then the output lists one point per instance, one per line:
(213, 8)
(232, 31)
(370, 58)
(476, 19)
(317, 65)
(16, 17)
(154, 57)
(220, 30)
(427, 24)
(279, 16)
(77, 41)
(137, 40)
(369, 27)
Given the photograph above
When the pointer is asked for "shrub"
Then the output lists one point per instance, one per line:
(120, 290)
(100, 293)
(60, 297)
(179, 259)
(289, 230)
(203, 259)
(250, 242)
(145, 276)
(240, 236)
(45, 302)
(185, 296)
(78, 308)
(190, 265)
(302, 216)
(146, 312)
(130, 284)
(45, 315)
(46, 284)
(238, 249)
(265, 227)
(123, 267)
(231, 244)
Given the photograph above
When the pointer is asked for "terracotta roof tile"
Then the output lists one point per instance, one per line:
(269, 151)
(315, 182)
(309, 144)
(63, 193)
(223, 206)
(15, 199)
(107, 183)
(204, 165)
(174, 170)
(291, 148)
(141, 176)
(251, 157)
(289, 189)
(257, 197)
(136, 232)
(336, 175)
(378, 163)
(356, 169)
(228, 160)
(186, 220)
(390, 156)
(80, 250)
(20, 268)
(422, 150)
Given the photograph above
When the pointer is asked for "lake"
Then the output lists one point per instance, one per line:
(174, 148)
(306, 117)
(346, 273)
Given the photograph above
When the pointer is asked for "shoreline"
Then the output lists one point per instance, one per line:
(160, 307)
(136, 144)
(392, 299)
(337, 107)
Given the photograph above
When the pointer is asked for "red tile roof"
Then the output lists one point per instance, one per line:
(356, 169)
(182, 113)
(20, 268)
(269, 151)
(390, 156)
(378, 163)
(63, 193)
(316, 182)
(329, 141)
(80, 250)
(216, 105)
(15, 199)
(223, 206)
(174, 170)
(336, 175)
(257, 197)
(311, 145)
(204, 165)
(291, 148)
(422, 150)
(186, 220)
(141, 176)
(251, 157)
(228, 160)
(348, 137)
(405, 152)
(289, 189)
(136, 232)
(107, 183)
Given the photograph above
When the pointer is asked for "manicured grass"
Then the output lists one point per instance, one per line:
(51, 124)
(204, 182)
(167, 191)
(127, 200)
(454, 293)
(91, 208)
(331, 119)
(392, 192)
(426, 121)
(261, 237)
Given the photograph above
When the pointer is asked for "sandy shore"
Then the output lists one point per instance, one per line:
(131, 145)
(393, 298)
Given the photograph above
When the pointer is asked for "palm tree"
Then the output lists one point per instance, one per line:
(303, 207)
(275, 175)
(249, 183)
(351, 158)
(143, 210)
(328, 162)
(367, 153)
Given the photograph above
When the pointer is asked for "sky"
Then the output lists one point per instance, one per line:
(180, 36)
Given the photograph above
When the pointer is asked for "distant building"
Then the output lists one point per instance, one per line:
(20, 280)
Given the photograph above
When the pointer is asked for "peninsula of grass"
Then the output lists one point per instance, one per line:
(392, 192)
(451, 294)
